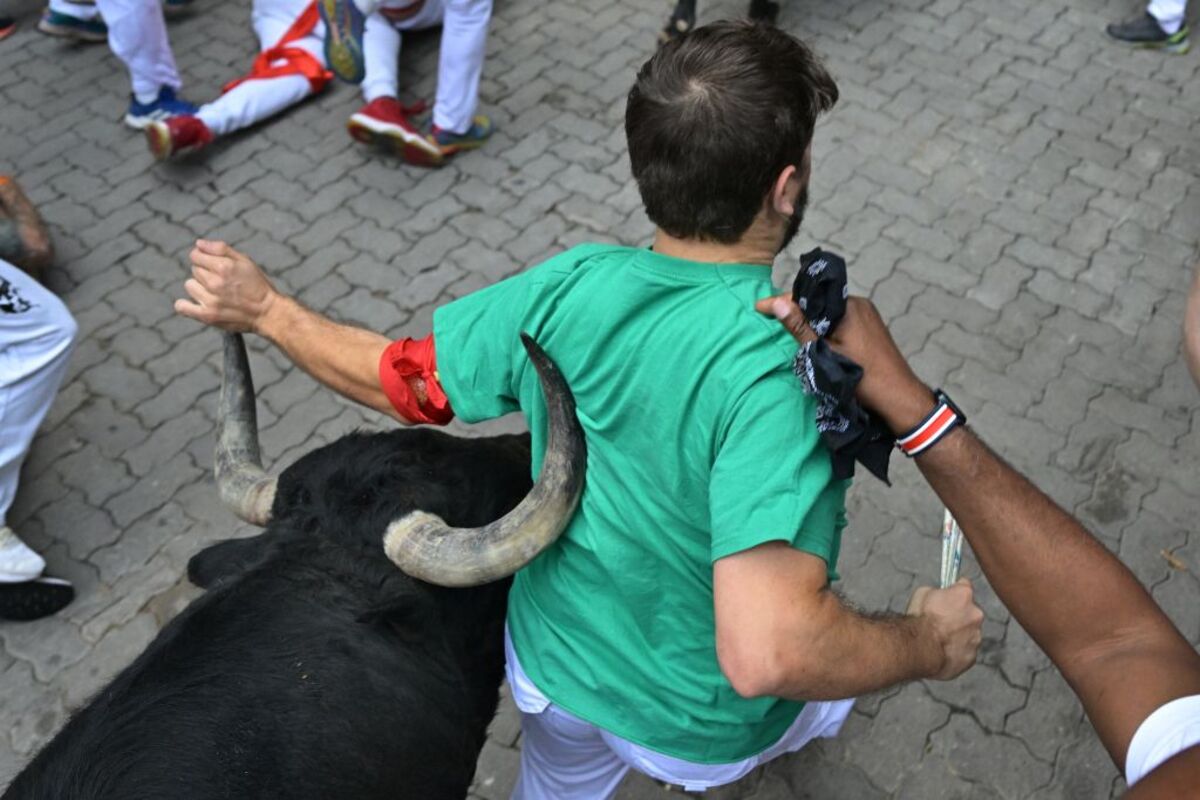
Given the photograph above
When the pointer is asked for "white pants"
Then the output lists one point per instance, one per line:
(255, 100)
(460, 60)
(566, 758)
(137, 34)
(460, 63)
(1169, 13)
(36, 336)
(1167, 732)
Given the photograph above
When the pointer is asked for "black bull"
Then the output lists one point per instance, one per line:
(312, 667)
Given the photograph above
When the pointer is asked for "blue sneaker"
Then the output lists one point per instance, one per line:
(343, 39)
(58, 24)
(165, 106)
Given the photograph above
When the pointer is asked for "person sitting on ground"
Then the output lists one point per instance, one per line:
(291, 67)
(1137, 677)
(36, 337)
(454, 127)
(1163, 26)
(684, 624)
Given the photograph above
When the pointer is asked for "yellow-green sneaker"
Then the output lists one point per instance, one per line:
(1145, 31)
(450, 143)
(343, 38)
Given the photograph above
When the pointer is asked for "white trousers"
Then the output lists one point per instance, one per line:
(460, 59)
(137, 34)
(255, 100)
(1169, 13)
(566, 758)
(460, 63)
(37, 333)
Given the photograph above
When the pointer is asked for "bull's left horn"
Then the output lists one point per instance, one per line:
(241, 482)
(424, 546)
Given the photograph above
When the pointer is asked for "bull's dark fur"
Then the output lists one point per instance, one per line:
(312, 667)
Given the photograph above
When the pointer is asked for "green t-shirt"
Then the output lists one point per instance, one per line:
(700, 444)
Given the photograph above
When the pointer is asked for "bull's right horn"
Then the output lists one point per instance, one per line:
(424, 546)
(241, 482)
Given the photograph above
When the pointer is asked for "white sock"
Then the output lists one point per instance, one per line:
(145, 99)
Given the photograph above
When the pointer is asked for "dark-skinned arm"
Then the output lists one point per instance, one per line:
(1114, 645)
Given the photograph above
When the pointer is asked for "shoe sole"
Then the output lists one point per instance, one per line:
(411, 147)
(1178, 48)
(158, 136)
(22, 602)
(140, 123)
(343, 39)
(65, 32)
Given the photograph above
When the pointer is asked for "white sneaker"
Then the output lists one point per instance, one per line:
(18, 562)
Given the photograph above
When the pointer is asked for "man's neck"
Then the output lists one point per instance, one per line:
(750, 249)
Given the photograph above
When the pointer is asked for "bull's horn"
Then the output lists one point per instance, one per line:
(241, 482)
(424, 546)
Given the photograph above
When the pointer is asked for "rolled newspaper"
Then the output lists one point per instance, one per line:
(952, 539)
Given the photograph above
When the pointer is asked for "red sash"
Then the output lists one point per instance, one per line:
(296, 60)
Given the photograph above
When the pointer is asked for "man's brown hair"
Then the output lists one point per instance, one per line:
(712, 120)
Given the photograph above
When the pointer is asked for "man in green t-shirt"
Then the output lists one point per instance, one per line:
(684, 623)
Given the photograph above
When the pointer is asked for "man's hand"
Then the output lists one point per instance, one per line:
(956, 624)
(888, 386)
(1191, 328)
(228, 290)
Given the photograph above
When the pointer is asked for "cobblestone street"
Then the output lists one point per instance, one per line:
(1018, 194)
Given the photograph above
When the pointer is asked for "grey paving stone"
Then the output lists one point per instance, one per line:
(1019, 202)
(887, 749)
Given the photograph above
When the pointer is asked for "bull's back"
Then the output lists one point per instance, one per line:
(263, 691)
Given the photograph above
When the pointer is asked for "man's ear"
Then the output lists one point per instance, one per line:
(785, 190)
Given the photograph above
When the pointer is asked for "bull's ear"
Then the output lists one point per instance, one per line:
(228, 559)
(407, 617)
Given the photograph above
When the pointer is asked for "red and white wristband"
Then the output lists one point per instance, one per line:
(945, 417)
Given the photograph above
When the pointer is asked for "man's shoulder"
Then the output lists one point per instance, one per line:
(582, 255)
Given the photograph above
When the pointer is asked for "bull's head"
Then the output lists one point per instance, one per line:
(420, 543)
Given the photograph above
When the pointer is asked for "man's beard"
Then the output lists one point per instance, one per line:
(793, 226)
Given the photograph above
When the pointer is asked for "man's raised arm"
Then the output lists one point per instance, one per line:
(1113, 644)
(229, 291)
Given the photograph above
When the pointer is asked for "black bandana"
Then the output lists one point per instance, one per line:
(849, 431)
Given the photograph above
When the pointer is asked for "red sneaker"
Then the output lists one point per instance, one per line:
(382, 122)
(172, 136)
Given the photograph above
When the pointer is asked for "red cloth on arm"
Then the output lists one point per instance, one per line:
(401, 363)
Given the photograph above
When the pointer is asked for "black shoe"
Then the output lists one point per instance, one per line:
(764, 11)
(34, 599)
(682, 20)
(1146, 32)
